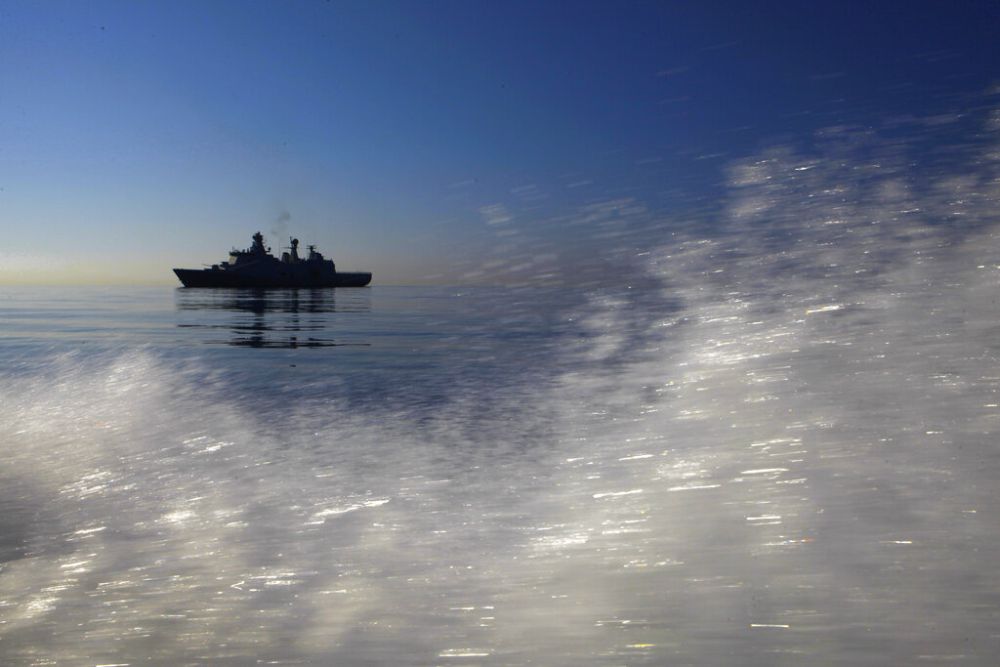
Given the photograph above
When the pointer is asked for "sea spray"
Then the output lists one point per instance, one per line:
(779, 448)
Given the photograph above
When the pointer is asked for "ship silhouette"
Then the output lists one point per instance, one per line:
(257, 267)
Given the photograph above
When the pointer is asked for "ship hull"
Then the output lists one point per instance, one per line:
(217, 278)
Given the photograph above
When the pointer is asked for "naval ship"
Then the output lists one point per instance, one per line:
(257, 267)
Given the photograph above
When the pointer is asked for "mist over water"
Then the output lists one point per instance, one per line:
(778, 447)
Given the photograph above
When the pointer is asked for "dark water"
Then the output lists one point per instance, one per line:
(780, 447)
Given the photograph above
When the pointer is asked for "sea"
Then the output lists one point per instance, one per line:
(776, 445)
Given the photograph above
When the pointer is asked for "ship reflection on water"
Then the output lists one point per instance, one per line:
(271, 318)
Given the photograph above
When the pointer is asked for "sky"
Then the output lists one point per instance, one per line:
(428, 142)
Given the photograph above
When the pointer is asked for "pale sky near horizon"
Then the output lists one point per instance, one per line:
(414, 138)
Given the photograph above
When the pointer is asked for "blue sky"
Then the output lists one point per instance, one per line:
(137, 136)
